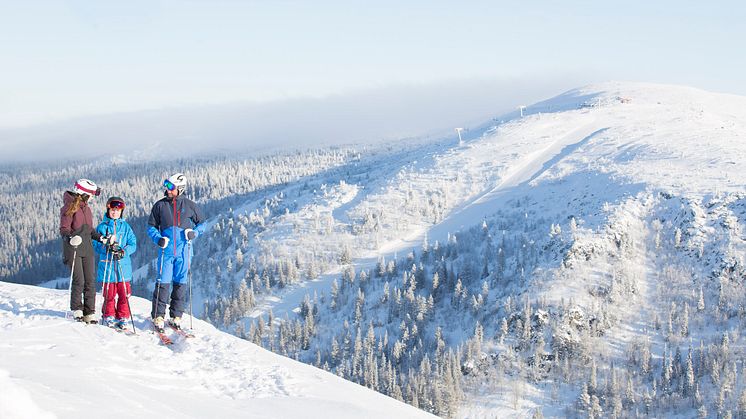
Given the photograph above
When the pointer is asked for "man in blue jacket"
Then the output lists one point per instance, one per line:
(174, 222)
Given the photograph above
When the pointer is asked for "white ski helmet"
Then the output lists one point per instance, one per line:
(176, 181)
(86, 187)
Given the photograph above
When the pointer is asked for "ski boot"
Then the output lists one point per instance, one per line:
(175, 323)
(120, 324)
(108, 321)
(159, 324)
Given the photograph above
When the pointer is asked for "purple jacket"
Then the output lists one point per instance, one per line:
(70, 224)
(79, 223)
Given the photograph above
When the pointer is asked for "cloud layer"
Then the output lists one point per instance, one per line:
(384, 114)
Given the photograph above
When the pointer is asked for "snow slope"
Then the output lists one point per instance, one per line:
(620, 167)
(630, 198)
(51, 367)
(593, 145)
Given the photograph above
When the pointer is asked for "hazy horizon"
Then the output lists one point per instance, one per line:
(365, 116)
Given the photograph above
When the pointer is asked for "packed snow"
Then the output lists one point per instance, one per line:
(51, 366)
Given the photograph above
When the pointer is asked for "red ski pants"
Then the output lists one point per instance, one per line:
(115, 299)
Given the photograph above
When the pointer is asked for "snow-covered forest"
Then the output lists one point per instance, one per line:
(31, 197)
(584, 260)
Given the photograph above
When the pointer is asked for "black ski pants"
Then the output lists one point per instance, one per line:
(160, 299)
(83, 294)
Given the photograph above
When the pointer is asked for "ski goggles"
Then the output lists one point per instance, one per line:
(168, 185)
(116, 205)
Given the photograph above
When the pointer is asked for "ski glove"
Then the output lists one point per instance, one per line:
(75, 241)
(163, 242)
(108, 239)
(190, 234)
(118, 254)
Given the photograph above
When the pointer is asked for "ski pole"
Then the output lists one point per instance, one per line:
(105, 279)
(107, 273)
(158, 285)
(72, 269)
(75, 241)
(189, 276)
(126, 296)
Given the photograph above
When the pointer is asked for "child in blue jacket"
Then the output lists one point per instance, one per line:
(115, 266)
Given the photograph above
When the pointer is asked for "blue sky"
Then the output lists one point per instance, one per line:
(69, 58)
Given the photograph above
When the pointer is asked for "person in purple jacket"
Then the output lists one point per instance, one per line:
(76, 224)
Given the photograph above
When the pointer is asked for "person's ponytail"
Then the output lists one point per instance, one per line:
(75, 205)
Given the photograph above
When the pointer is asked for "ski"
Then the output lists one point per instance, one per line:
(181, 332)
(165, 340)
(125, 330)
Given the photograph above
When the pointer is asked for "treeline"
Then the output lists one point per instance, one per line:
(31, 196)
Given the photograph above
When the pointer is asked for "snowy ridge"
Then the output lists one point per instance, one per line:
(624, 202)
(645, 211)
(604, 140)
(53, 367)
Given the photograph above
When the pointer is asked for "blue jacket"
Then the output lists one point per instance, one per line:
(169, 218)
(127, 241)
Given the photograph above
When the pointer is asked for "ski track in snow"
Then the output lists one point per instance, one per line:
(495, 175)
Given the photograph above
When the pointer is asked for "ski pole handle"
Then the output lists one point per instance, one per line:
(75, 241)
